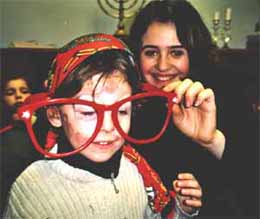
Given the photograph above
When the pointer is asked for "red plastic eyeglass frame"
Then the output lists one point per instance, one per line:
(37, 101)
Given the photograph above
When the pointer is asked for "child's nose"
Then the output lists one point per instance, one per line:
(108, 124)
(18, 95)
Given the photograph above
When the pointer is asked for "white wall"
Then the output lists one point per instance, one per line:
(52, 21)
(245, 14)
(59, 21)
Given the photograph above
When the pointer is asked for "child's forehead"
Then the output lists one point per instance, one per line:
(114, 82)
(16, 83)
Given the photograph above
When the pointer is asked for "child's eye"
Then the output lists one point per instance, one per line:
(85, 112)
(123, 112)
(150, 53)
(25, 90)
(88, 113)
(9, 92)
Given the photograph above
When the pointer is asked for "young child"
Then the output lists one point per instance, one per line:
(17, 151)
(16, 88)
(89, 108)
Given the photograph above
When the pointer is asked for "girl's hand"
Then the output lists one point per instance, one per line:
(188, 192)
(194, 114)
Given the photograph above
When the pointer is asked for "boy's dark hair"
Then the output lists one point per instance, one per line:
(5, 78)
(104, 62)
(191, 30)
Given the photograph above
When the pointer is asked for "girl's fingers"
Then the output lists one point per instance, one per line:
(182, 88)
(179, 87)
(205, 95)
(192, 92)
(171, 86)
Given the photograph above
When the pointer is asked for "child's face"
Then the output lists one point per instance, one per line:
(16, 91)
(79, 121)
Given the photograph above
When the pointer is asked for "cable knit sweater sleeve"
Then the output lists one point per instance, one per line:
(178, 214)
(181, 214)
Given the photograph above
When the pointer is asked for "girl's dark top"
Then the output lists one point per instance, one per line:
(175, 153)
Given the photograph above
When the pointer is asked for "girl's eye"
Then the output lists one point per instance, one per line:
(177, 53)
(150, 53)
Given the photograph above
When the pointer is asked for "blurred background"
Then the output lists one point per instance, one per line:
(57, 21)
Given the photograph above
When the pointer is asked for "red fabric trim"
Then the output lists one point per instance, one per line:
(151, 179)
(50, 140)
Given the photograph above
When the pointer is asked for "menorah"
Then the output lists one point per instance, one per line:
(120, 9)
(223, 34)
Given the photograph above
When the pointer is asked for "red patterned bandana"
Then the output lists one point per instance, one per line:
(75, 52)
(152, 182)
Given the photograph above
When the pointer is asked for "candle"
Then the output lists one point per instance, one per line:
(228, 14)
(216, 15)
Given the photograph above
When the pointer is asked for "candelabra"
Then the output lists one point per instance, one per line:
(215, 35)
(222, 34)
(226, 33)
(120, 9)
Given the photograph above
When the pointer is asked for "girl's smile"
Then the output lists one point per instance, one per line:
(163, 59)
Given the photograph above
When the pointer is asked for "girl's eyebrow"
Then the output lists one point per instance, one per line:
(156, 47)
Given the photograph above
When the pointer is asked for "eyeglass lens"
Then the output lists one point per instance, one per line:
(146, 116)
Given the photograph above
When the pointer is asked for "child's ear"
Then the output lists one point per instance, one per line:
(54, 117)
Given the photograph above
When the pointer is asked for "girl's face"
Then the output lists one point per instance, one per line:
(16, 91)
(79, 121)
(163, 58)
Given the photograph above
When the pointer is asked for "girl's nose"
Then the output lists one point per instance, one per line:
(108, 124)
(163, 62)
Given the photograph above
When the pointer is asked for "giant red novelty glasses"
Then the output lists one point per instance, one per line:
(149, 113)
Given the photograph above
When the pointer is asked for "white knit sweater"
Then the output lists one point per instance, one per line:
(54, 189)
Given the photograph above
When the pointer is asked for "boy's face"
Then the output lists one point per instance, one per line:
(79, 121)
(15, 92)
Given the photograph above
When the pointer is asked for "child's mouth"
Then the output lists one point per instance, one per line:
(103, 144)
